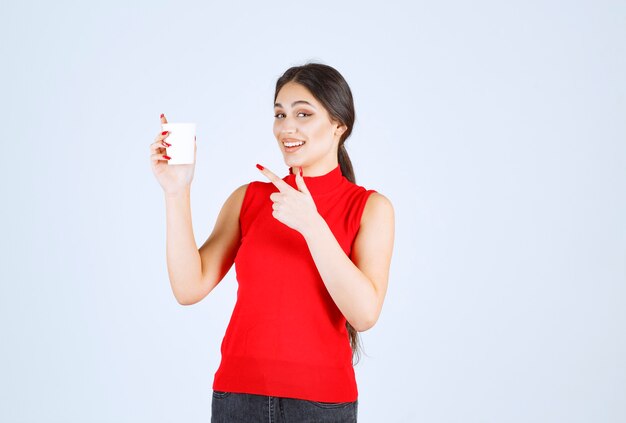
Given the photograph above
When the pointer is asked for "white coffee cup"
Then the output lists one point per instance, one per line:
(183, 138)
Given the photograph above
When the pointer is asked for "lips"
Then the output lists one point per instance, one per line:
(292, 149)
(284, 140)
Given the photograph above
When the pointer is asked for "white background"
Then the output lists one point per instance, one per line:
(495, 128)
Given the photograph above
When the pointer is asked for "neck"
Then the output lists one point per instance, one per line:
(321, 184)
(313, 171)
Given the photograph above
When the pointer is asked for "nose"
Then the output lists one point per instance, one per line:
(288, 129)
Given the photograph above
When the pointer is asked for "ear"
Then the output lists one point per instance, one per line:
(341, 128)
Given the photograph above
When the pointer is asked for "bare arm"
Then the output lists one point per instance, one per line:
(183, 260)
(358, 284)
(206, 267)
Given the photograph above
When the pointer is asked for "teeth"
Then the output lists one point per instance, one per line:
(293, 144)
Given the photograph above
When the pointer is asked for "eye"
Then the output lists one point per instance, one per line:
(277, 115)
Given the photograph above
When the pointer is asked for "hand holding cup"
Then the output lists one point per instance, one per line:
(173, 178)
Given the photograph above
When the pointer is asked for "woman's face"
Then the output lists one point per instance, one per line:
(298, 117)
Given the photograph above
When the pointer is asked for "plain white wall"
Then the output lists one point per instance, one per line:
(495, 128)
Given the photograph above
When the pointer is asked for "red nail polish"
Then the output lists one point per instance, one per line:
(162, 115)
(301, 172)
(164, 132)
(166, 157)
(260, 167)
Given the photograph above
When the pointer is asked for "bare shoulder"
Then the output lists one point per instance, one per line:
(240, 191)
(234, 202)
(378, 210)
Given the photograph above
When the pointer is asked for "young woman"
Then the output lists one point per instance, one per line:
(312, 252)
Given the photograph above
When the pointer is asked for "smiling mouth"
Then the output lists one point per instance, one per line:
(293, 145)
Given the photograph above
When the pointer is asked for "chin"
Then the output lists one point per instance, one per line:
(290, 162)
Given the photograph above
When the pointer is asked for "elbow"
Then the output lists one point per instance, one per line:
(364, 324)
(362, 327)
(368, 322)
(182, 302)
(185, 301)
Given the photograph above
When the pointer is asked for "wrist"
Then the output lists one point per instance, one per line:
(184, 193)
(316, 225)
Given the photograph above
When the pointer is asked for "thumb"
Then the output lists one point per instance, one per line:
(300, 183)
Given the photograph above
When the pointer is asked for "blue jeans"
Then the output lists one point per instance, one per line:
(233, 407)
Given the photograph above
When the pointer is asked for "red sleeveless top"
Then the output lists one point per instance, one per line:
(286, 336)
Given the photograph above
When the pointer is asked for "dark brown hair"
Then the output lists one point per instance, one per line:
(329, 88)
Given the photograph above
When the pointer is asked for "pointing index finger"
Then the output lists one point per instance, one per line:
(278, 183)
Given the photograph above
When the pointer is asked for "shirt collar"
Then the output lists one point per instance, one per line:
(318, 184)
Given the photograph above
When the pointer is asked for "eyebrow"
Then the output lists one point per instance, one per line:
(294, 103)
